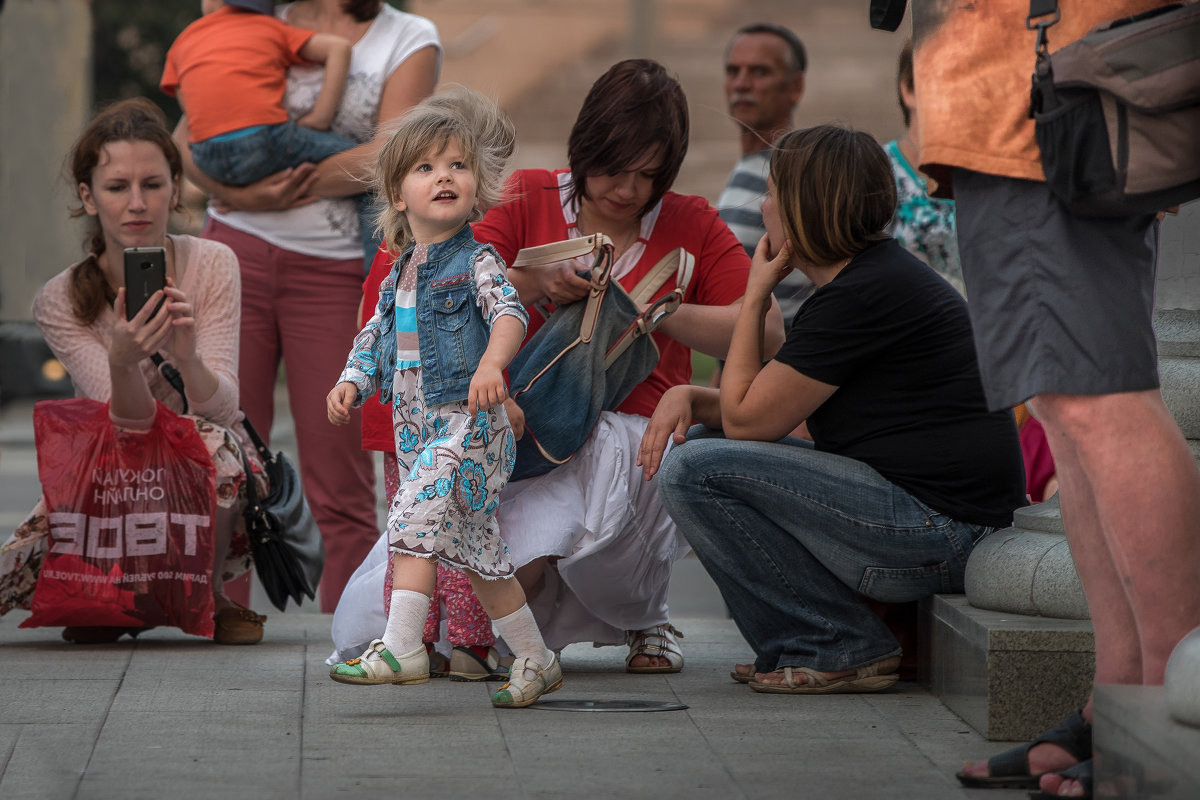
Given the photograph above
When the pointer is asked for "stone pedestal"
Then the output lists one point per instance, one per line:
(1027, 569)
(1182, 683)
(1141, 752)
(1014, 655)
(1177, 328)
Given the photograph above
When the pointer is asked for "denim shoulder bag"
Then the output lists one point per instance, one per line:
(588, 355)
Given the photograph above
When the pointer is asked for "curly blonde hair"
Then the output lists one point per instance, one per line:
(460, 115)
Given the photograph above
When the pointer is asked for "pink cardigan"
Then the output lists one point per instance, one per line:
(208, 274)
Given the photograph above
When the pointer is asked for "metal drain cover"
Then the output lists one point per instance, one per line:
(608, 705)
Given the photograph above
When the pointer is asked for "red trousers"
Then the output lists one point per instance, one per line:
(299, 311)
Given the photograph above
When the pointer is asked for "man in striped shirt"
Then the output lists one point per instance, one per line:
(764, 80)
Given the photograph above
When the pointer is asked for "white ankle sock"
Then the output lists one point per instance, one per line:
(520, 632)
(406, 621)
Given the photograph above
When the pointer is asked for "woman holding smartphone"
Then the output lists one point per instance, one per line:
(126, 170)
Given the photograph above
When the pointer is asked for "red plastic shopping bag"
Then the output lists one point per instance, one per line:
(131, 520)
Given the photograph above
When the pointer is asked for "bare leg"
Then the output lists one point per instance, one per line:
(1145, 498)
(222, 535)
(1133, 482)
(498, 597)
(1118, 654)
(414, 574)
(532, 576)
(1130, 496)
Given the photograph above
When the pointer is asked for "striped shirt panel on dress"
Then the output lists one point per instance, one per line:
(408, 348)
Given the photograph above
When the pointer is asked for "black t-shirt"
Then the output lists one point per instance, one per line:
(895, 338)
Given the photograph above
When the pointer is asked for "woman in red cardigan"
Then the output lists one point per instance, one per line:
(595, 543)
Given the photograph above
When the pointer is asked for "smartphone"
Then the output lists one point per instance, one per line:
(145, 274)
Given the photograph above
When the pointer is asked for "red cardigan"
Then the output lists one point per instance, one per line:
(534, 216)
(377, 431)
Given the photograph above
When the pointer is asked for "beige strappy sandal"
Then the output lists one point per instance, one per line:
(658, 641)
(871, 678)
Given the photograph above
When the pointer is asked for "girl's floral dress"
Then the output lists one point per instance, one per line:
(453, 465)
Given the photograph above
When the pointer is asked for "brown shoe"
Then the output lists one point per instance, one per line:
(467, 665)
(439, 665)
(237, 625)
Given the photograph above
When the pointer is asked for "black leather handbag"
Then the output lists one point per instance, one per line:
(285, 542)
(289, 554)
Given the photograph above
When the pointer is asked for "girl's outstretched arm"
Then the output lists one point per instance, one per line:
(487, 384)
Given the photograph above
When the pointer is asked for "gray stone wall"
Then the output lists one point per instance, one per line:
(1178, 283)
(1177, 319)
(45, 95)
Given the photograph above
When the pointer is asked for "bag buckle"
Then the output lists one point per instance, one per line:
(1042, 14)
(1037, 10)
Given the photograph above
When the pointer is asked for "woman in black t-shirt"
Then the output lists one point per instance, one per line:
(906, 470)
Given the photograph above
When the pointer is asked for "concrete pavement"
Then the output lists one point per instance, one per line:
(174, 714)
(171, 714)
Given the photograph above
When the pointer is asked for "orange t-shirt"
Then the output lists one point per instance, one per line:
(972, 67)
(230, 70)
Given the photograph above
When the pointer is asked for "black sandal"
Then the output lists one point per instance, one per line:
(1010, 769)
(1082, 772)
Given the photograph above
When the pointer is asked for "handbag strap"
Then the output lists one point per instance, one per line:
(646, 322)
(599, 276)
(171, 375)
(176, 380)
(559, 251)
(679, 262)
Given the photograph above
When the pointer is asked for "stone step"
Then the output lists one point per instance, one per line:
(1009, 676)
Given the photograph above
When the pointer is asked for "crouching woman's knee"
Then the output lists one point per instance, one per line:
(685, 484)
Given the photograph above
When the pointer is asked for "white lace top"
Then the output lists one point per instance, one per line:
(328, 228)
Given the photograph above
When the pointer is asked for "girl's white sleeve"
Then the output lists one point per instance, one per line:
(497, 296)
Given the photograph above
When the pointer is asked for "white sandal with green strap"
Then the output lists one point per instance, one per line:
(527, 682)
(377, 665)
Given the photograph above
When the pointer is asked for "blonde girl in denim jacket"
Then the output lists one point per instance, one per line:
(447, 324)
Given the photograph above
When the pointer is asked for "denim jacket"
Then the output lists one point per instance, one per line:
(451, 330)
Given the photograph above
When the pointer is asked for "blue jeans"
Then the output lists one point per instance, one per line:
(243, 159)
(793, 537)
